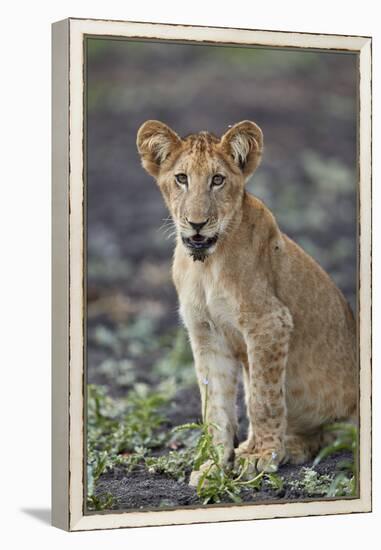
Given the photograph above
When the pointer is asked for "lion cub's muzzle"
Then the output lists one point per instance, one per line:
(197, 243)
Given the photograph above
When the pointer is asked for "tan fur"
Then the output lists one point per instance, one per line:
(256, 300)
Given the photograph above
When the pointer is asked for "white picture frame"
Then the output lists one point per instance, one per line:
(69, 265)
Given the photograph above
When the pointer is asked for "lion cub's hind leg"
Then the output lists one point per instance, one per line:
(300, 448)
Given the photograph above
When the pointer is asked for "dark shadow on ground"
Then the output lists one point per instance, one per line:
(41, 514)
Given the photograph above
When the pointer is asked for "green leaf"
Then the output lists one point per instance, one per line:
(274, 481)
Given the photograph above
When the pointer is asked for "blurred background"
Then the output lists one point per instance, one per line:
(305, 102)
(139, 363)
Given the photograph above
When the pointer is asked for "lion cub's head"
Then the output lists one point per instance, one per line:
(201, 177)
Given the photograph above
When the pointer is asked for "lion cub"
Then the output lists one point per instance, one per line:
(252, 298)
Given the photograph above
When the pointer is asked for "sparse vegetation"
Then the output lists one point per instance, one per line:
(176, 464)
(177, 363)
(312, 483)
(345, 483)
(120, 431)
(125, 432)
(217, 482)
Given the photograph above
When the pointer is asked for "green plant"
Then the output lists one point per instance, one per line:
(346, 481)
(117, 428)
(274, 481)
(105, 501)
(123, 340)
(311, 482)
(217, 482)
(178, 362)
(121, 372)
(175, 464)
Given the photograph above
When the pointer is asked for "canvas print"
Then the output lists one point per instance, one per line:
(221, 275)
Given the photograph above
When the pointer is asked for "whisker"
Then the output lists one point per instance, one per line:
(168, 224)
(170, 235)
(169, 231)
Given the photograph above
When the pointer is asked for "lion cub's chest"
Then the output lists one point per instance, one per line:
(218, 304)
(209, 299)
(205, 301)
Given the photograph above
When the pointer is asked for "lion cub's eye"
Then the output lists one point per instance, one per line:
(182, 179)
(217, 180)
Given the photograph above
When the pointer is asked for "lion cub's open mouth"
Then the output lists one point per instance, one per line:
(199, 242)
(198, 246)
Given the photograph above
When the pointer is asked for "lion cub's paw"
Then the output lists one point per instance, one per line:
(256, 462)
(244, 449)
(269, 462)
(197, 474)
(208, 469)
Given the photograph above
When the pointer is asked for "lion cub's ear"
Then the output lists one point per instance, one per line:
(155, 142)
(244, 143)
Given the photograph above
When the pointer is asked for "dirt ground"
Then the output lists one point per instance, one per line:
(306, 107)
(139, 489)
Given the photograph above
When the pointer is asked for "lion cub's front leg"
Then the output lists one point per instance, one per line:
(217, 374)
(267, 341)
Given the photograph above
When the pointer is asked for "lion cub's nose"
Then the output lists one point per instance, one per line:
(198, 226)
